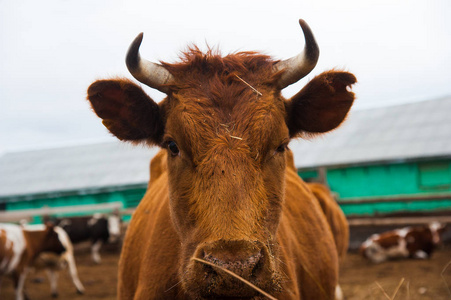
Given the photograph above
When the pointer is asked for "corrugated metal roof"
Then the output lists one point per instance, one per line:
(74, 168)
(400, 132)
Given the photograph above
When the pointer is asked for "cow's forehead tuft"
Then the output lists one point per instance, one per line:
(197, 63)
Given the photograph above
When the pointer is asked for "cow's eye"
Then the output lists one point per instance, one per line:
(172, 146)
(282, 148)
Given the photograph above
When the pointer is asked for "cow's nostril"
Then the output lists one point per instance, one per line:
(209, 272)
(258, 268)
(250, 267)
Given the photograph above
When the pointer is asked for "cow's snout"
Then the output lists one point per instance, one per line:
(247, 259)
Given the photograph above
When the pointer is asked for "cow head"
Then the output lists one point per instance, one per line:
(226, 128)
(109, 224)
(437, 230)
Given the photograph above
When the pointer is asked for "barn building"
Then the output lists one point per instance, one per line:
(393, 160)
(386, 161)
(76, 180)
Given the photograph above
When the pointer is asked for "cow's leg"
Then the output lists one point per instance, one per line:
(420, 254)
(95, 251)
(74, 274)
(1, 280)
(338, 293)
(19, 283)
(53, 278)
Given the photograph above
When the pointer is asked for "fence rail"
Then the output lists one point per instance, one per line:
(405, 198)
(399, 221)
(27, 214)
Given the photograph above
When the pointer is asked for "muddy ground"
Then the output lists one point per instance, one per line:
(422, 279)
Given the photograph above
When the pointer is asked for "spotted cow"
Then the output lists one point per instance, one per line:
(98, 229)
(19, 248)
(52, 263)
(409, 242)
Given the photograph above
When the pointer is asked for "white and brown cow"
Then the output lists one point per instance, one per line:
(409, 242)
(19, 248)
(53, 262)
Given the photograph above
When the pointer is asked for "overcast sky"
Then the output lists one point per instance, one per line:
(52, 50)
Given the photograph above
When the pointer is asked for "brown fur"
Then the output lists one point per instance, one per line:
(6, 251)
(224, 193)
(332, 211)
(334, 215)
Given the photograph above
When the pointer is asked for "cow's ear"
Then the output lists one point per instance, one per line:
(322, 104)
(126, 110)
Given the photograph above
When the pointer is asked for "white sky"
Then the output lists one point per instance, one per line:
(52, 50)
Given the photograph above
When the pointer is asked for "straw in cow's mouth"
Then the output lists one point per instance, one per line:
(234, 275)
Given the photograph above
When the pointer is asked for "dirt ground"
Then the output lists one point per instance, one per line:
(419, 279)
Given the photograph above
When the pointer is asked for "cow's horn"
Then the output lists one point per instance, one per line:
(300, 65)
(147, 72)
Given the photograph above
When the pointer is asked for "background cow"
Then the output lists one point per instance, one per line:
(19, 247)
(52, 263)
(223, 195)
(413, 242)
(99, 229)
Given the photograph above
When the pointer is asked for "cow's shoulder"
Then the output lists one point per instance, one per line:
(334, 215)
(151, 244)
(304, 230)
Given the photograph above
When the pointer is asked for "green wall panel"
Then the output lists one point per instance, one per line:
(388, 180)
(384, 180)
(370, 181)
(395, 207)
(129, 198)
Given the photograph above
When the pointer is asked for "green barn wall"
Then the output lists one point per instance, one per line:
(349, 182)
(389, 180)
(129, 198)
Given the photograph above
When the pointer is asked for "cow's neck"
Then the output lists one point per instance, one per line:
(34, 241)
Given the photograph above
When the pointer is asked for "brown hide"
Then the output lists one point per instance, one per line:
(148, 268)
(334, 215)
(332, 211)
(42, 240)
(6, 251)
(38, 241)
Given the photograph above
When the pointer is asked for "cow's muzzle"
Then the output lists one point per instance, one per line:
(248, 259)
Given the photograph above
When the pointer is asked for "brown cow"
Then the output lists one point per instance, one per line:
(223, 192)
